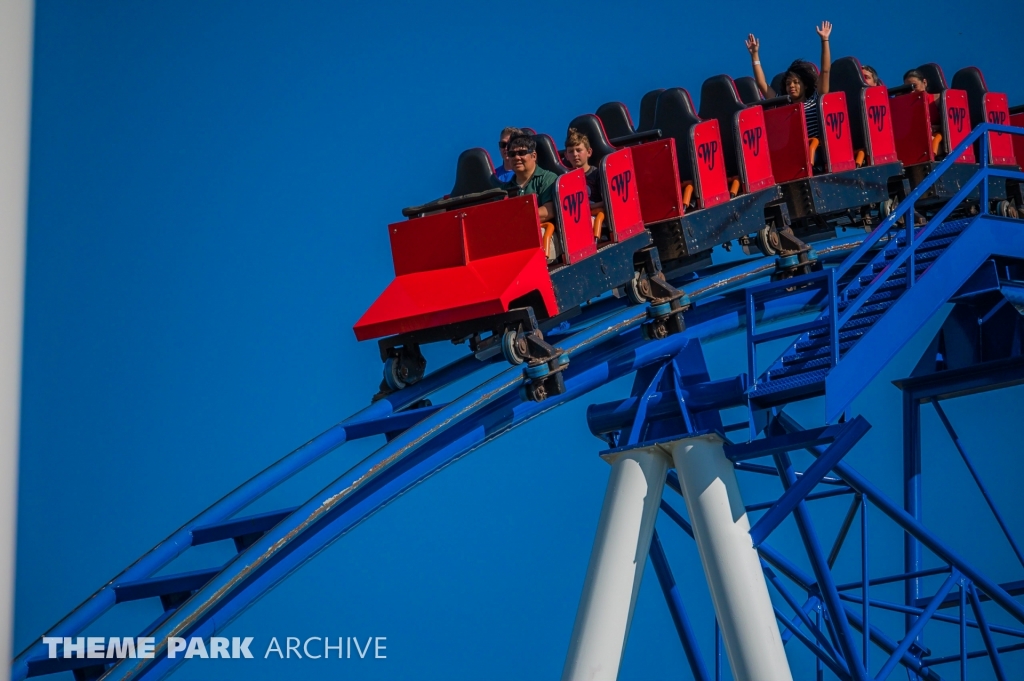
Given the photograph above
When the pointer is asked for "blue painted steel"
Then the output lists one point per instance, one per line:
(977, 480)
(938, 617)
(986, 634)
(801, 613)
(611, 416)
(779, 444)
(922, 533)
(909, 639)
(609, 349)
(238, 527)
(163, 585)
(822, 574)
(810, 497)
(278, 472)
(865, 585)
(820, 654)
(850, 434)
(675, 606)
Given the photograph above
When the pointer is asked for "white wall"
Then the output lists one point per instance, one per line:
(15, 89)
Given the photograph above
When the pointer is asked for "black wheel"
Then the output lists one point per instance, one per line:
(1006, 209)
(393, 374)
(638, 289)
(767, 240)
(511, 347)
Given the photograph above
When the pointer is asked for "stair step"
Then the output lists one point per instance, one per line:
(921, 263)
(799, 367)
(805, 383)
(894, 284)
(889, 296)
(858, 322)
(823, 339)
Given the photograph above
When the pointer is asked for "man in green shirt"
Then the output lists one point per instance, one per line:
(529, 178)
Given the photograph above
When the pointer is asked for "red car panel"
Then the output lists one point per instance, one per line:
(912, 127)
(957, 125)
(1000, 144)
(757, 160)
(657, 180)
(573, 207)
(787, 142)
(621, 197)
(836, 130)
(881, 144)
(501, 260)
(712, 181)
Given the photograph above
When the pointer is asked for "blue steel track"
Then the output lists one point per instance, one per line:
(604, 343)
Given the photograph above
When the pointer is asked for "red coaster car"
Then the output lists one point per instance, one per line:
(702, 182)
(993, 107)
(475, 268)
(857, 174)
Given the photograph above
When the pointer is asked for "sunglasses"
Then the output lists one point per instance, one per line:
(502, 145)
(518, 152)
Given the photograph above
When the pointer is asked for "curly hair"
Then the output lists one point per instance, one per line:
(807, 74)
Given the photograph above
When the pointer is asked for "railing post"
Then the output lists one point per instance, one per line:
(833, 315)
(983, 152)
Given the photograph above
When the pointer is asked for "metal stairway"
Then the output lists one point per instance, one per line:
(878, 297)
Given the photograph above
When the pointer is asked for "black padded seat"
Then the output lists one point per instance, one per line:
(936, 78)
(616, 119)
(674, 116)
(846, 77)
(529, 131)
(970, 80)
(547, 155)
(720, 100)
(648, 103)
(591, 126)
(747, 87)
(474, 173)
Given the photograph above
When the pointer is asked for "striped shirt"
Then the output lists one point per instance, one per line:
(813, 116)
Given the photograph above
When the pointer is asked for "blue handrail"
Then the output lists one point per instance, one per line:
(946, 164)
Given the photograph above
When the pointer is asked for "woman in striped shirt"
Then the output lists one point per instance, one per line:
(802, 82)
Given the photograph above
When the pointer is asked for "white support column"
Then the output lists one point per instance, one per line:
(731, 564)
(616, 565)
(15, 88)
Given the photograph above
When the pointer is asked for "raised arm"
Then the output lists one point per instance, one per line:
(824, 31)
(753, 45)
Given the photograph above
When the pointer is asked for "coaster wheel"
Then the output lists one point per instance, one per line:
(513, 347)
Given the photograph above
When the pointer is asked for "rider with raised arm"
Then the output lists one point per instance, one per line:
(800, 81)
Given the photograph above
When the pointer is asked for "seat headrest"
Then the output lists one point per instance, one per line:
(616, 119)
(846, 77)
(648, 103)
(720, 100)
(473, 173)
(591, 126)
(547, 155)
(970, 79)
(718, 95)
(674, 116)
(746, 86)
(777, 85)
(936, 78)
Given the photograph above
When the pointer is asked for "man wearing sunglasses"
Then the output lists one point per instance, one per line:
(503, 173)
(528, 178)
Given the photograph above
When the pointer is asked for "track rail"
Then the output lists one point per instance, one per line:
(608, 346)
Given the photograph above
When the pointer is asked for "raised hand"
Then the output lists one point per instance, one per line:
(753, 44)
(825, 30)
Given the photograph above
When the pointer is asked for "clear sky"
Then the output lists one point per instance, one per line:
(210, 189)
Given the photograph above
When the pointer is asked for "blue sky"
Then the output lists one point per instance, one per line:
(210, 188)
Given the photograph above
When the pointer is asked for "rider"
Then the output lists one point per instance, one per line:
(800, 81)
